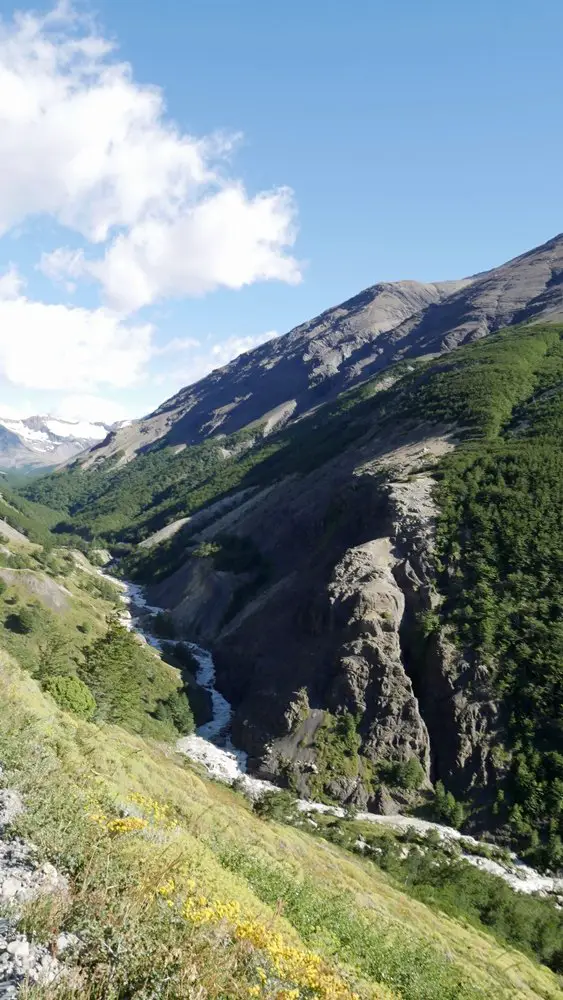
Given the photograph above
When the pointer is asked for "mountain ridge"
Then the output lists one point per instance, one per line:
(346, 344)
(45, 440)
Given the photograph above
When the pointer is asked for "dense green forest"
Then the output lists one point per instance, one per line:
(500, 550)
(34, 520)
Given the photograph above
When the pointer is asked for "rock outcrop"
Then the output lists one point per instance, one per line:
(367, 607)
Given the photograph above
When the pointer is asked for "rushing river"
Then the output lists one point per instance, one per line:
(212, 747)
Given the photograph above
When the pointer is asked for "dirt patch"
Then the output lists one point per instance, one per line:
(13, 535)
(49, 593)
(164, 533)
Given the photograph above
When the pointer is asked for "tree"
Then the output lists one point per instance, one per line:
(278, 806)
(72, 695)
(22, 621)
(446, 808)
(111, 674)
(410, 774)
(177, 710)
(163, 626)
(56, 656)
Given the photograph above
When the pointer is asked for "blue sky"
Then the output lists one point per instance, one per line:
(182, 179)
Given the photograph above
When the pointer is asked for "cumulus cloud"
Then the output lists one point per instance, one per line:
(85, 144)
(201, 359)
(48, 346)
(90, 408)
(11, 283)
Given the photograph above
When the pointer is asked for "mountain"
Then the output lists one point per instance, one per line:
(351, 342)
(380, 585)
(46, 441)
(380, 579)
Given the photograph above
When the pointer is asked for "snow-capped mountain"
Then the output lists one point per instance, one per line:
(46, 441)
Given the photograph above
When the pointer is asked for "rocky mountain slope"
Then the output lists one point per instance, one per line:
(348, 343)
(46, 441)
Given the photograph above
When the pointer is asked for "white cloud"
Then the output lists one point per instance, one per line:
(200, 363)
(90, 408)
(11, 283)
(84, 143)
(44, 346)
(177, 345)
(8, 412)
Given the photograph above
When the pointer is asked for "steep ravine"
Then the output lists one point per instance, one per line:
(212, 747)
(333, 625)
(454, 696)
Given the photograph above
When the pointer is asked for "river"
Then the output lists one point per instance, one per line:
(211, 746)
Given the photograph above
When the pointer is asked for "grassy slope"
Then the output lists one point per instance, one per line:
(66, 607)
(316, 896)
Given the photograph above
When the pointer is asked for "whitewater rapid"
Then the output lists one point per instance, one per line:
(211, 746)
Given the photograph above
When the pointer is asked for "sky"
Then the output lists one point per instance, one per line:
(181, 180)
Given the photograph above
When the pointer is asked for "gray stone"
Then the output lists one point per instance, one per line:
(10, 887)
(11, 806)
(20, 948)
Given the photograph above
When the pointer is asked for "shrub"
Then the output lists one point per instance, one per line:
(446, 808)
(277, 806)
(72, 695)
(185, 658)
(22, 621)
(410, 774)
(176, 709)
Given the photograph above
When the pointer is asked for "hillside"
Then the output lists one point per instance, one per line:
(378, 579)
(156, 881)
(426, 614)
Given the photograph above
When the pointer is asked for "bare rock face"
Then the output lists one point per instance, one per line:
(208, 593)
(368, 604)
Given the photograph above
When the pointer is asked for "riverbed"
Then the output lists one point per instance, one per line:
(211, 746)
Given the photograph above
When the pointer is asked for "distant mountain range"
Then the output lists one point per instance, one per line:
(40, 441)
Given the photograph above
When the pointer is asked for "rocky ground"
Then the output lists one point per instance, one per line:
(23, 877)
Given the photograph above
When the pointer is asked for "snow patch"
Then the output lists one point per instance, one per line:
(81, 430)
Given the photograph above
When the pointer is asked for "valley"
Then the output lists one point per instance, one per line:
(301, 628)
(212, 747)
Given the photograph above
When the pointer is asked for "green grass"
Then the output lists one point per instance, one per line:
(317, 896)
(131, 685)
(435, 873)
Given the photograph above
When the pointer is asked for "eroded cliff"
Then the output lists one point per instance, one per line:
(331, 630)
